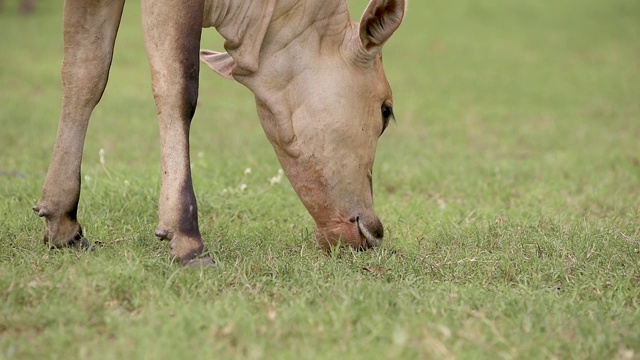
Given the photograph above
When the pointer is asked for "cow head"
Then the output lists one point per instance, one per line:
(323, 101)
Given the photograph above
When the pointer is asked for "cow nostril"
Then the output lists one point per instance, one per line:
(371, 224)
(371, 230)
(376, 228)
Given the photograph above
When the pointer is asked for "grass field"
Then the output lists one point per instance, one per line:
(509, 187)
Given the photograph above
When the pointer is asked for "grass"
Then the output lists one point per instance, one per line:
(510, 188)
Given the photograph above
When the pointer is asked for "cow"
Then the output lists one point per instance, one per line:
(320, 91)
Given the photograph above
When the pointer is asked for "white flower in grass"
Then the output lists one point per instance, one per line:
(101, 153)
(276, 179)
(243, 187)
(247, 171)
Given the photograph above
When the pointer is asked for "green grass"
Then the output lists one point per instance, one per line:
(510, 189)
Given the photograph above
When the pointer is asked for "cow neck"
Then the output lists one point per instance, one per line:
(255, 31)
(243, 24)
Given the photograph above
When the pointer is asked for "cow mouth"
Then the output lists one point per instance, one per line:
(370, 241)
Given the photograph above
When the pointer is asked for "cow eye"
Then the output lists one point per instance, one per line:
(387, 114)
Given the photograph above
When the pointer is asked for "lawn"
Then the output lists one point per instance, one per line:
(509, 188)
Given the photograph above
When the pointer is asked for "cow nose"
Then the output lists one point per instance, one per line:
(371, 229)
(375, 227)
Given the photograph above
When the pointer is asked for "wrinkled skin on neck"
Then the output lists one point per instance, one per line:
(319, 87)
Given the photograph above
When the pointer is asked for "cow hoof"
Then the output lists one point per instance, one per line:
(201, 262)
(83, 244)
(80, 243)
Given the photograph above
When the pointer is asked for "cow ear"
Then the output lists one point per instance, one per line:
(379, 21)
(222, 63)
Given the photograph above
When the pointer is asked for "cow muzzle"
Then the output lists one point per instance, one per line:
(371, 230)
(360, 232)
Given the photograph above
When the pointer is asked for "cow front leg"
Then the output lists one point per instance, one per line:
(89, 29)
(172, 31)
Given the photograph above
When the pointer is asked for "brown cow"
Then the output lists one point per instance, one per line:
(320, 89)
